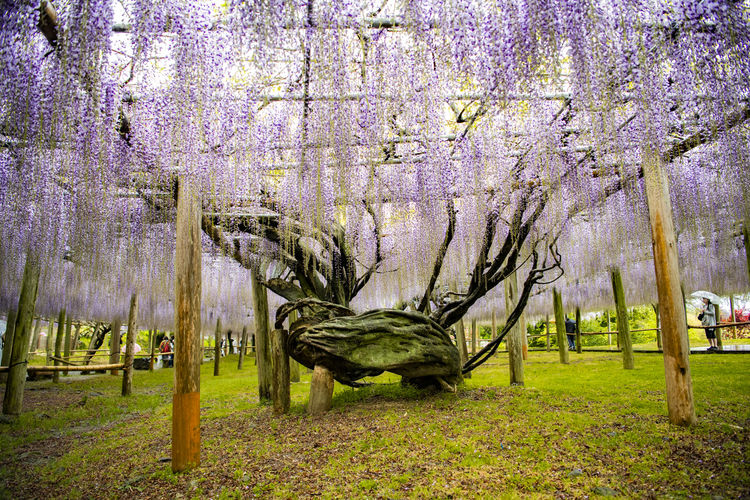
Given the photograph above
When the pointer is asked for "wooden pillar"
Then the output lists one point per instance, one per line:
(243, 346)
(217, 346)
(658, 325)
(674, 327)
(35, 337)
(546, 324)
(717, 331)
(151, 348)
(494, 325)
(76, 335)
(473, 337)
(623, 327)
(463, 352)
(10, 329)
(562, 340)
(321, 391)
(186, 429)
(262, 333)
(127, 375)
(50, 336)
(227, 344)
(280, 390)
(293, 364)
(579, 348)
(13, 401)
(66, 347)
(114, 345)
(58, 343)
(515, 335)
(732, 316)
(746, 238)
(609, 329)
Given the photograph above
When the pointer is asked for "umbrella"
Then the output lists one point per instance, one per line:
(701, 294)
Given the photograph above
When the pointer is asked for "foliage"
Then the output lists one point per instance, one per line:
(572, 429)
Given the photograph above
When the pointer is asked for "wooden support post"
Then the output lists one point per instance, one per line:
(515, 336)
(280, 388)
(35, 337)
(658, 325)
(623, 327)
(217, 346)
(58, 343)
(186, 428)
(262, 333)
(717, 330)
(609, 329)
(293, 364)
(127, 370)
(579, 348)
(562, 340)
(114, 345)
(48, 343)
(66, 346)
(463, 352)
(10, 329)
(546, 324)
(76, 335)
(321, 391)
(13, 401)
(243, 346)
(746, 238)
(473, 337)
(674, 327)
(494, 324)
(151, 348)
(732, 316)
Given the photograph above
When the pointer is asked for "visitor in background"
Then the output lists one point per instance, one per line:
(171, 349)
(570, 331)
(707, 315)
(164, 348)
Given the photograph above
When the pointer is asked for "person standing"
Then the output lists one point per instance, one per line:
(707, 315)
(570, 331)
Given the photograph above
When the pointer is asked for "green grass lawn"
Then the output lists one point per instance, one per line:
(585, 429)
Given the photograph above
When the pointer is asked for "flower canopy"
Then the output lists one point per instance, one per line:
(371, 115)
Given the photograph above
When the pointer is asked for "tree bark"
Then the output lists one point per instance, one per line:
(186, 429)
(10, 329)
(515, 336)
(58, 343)
(217, 347)
(562, 340)
(127, 375)
(321, 391)
(262, 341)
(280, 387)
(114, 344)
(623, 327)
(13, 401)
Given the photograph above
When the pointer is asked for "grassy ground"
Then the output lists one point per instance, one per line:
(585, 429)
